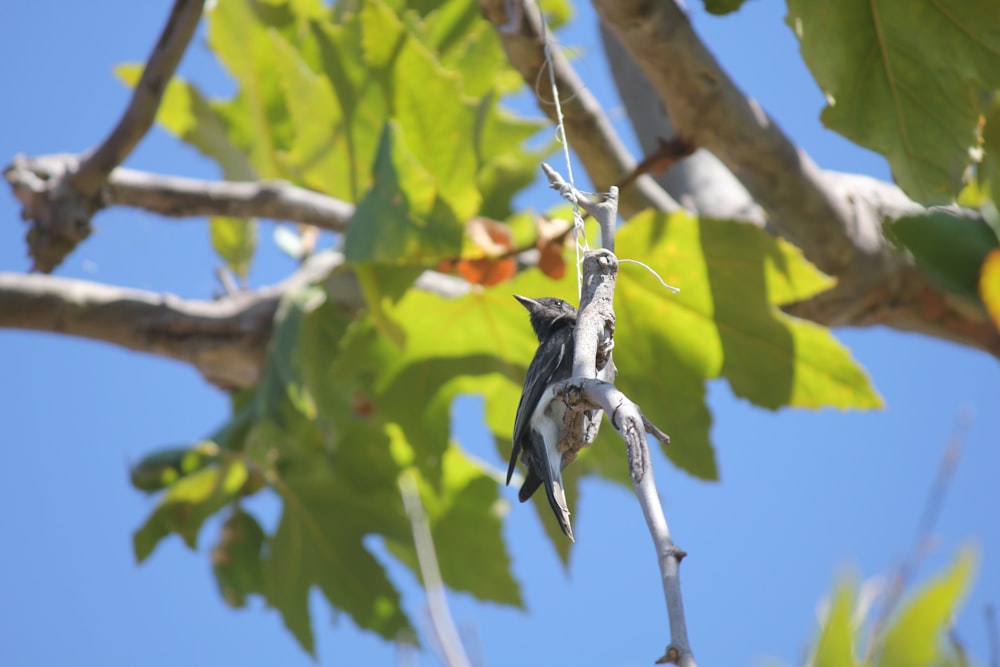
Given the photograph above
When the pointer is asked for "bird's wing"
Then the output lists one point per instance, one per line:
(548, 358)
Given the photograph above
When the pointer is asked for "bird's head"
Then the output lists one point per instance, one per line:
(548, 313)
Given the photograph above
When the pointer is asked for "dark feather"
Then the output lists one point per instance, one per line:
(553, 321)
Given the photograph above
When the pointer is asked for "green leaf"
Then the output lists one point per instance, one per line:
(505, 166)
(257, 119)
(337, 116)
(236, 559)
(189, 116)
(769, 358)
(235, 239)
(724, 322)
(401, 219)
(429, 106)
(950, 248)
(917, 634)
(722, 7)
(467, 44)
(835, 647)
(382, 282)
(284, 409)
(187, 503)
(905, 80)
(318, 544)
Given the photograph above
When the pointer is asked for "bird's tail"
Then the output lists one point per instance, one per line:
(555, 494)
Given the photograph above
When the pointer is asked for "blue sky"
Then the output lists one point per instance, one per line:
(805, 495)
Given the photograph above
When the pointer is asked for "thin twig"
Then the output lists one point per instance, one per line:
(668, 153)
(925, 528)
(605, 211)
(992, 635)
(444, 626)
(594, 339)
(96, 164)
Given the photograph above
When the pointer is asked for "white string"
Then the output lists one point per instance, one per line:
(570, 193)
(673, 289)
(579, 233)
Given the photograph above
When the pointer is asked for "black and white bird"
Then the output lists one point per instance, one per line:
(539, 422)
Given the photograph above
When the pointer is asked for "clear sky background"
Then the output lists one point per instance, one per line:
(804, 496)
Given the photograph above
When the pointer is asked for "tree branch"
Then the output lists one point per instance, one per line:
(591, 389)
(700, 182)
(453, 652)
(61, 206)
(588, 130)
(835, 219)
(226, 339)
(705, 106)
(179, 197)
(605, 212)
(97, 163)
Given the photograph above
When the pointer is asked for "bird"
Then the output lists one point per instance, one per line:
(539, 422)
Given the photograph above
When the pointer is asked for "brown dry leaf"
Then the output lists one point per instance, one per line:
(445, 266)
(552, 236)
(551, 261)
(487, 272)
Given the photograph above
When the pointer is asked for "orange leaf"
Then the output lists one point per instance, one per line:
(487, 272)
(551, 260)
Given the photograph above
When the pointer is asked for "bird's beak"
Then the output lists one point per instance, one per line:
(530, 304)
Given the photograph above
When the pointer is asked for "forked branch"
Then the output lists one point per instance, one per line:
(61, 205)
(589, 390)
(97, 163)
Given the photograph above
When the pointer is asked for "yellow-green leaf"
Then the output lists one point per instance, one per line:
(401, 219)
(905, 79)
(235, 239)
(989, 285)
(187, 503)
(835, 647)
(916, 636)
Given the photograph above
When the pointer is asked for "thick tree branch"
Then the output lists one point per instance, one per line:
(588, 130)
(705, 106)
(836, 219)
(701, 183)
(97, 163)
(225, 340)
